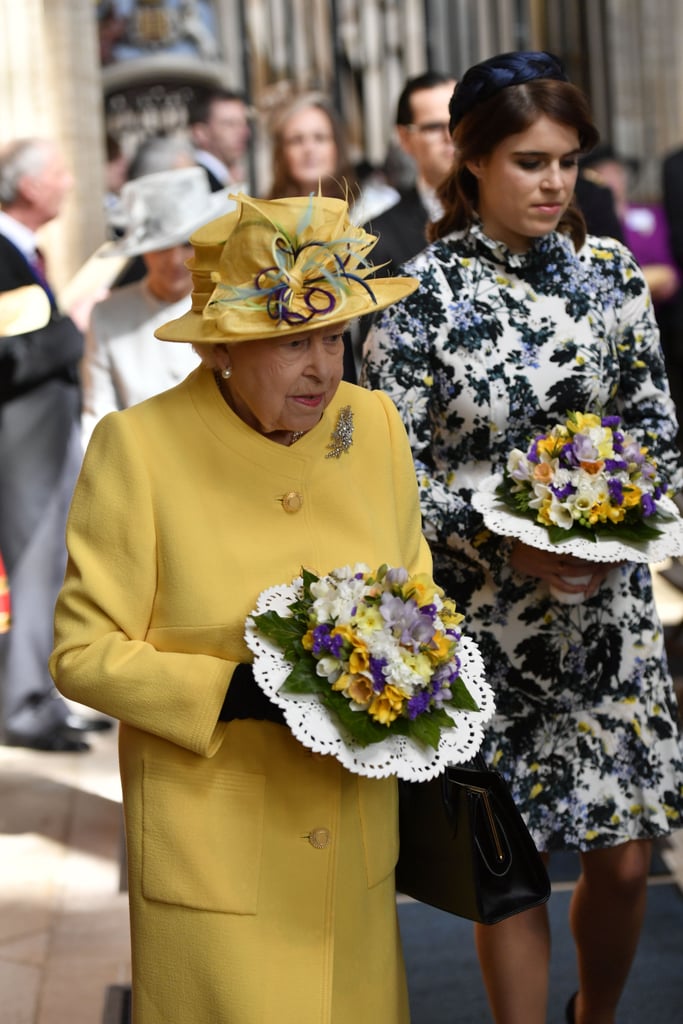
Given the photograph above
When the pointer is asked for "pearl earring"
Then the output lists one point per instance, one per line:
(226, 372)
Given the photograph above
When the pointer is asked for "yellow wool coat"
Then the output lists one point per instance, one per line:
(260, 876)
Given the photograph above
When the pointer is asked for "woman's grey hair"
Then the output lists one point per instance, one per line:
(17, 159)
(161, 153)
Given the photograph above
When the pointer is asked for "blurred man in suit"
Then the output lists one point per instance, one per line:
(422, 129)
(39, 454)
(218, 121)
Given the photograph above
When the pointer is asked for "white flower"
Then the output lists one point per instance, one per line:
(518, 466)
(329, 668)
(560, 514)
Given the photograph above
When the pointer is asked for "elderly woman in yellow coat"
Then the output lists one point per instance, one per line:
(260, 875)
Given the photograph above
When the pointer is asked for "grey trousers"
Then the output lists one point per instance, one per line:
(31, 706)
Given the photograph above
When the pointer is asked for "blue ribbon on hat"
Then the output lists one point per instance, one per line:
(490, 76)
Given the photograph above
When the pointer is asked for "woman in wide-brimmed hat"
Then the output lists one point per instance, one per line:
(261, 877)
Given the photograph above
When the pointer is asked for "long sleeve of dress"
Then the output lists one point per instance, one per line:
(401, 357)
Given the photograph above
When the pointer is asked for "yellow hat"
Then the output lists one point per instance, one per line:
(23, 309)
(278, 267)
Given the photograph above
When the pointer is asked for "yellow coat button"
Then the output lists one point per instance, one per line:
(292, 501)
(319, 837)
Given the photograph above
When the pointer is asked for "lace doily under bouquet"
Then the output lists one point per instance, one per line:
(588, 486)
(371, 667)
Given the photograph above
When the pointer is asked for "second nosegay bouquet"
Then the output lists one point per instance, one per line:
(375, 657)
(589, 478)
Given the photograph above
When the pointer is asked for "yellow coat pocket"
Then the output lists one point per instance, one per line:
(202, 838)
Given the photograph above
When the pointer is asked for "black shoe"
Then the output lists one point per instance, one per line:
(569, 1009)
(61, 740)
(81, 723)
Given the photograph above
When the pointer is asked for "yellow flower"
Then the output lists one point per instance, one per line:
(591, 834)
(360, 689)
(671, 813)
(584, 727)
(636, 808)
(420, 663)
(386, 706)
(582, 421)
(346, 632)
(422, 588)
(355, 687)
(441, 647)
(535, 790)
(359, 659)
(449, 614)
(547, 445)
(368, 620)
(428, 380)
(307, 640)
(534, 767)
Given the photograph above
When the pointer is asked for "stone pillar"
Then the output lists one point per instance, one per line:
(50, 86)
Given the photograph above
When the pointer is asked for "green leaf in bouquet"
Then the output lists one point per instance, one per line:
(308, 577)
(462, 699)
(515, 501)
(636, 533)
(360, 726)
(556, 534)
(285, 631)
(303, 678)
(425, 729)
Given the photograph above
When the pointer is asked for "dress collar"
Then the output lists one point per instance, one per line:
(540, 250)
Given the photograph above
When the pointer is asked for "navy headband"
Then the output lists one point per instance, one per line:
(490, 76)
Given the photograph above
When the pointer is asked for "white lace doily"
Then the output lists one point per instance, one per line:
(502, 521)
(320, 730)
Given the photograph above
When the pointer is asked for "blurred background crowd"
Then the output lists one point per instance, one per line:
(126, 124)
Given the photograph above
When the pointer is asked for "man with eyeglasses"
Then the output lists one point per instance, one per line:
(422, 129)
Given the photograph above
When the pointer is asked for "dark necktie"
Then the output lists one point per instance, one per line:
(38, 267)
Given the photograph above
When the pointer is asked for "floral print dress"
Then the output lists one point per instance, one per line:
(493, 347)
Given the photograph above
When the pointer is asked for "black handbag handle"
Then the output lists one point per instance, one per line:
(489, 831)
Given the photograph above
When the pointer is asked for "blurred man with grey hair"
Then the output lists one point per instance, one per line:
(39, 454)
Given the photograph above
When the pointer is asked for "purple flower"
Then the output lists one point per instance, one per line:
(584, 448)
(616, 491)
(397, 577)
(632, 453)
(418, 704)
(568, 459)
(562, 493)
(615, 465)
(648, 505)
(324, 643)
(405, 618)
(610, 421)
(377, 666)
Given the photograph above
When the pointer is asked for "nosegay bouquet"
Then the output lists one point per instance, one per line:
(381, 652)
(587, 477)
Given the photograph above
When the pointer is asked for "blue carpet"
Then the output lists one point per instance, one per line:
(446, 988)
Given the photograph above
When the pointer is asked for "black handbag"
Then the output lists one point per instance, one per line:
(464, 846)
